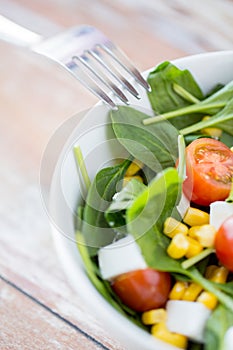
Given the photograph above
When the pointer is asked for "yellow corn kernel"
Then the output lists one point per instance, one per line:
(210, 270)
(213, 132)
(173, 226)
(231, 148)
(192, 292)
(215, 274)
(178, 290)
(208, 299)
(160, 331)
(194, 248)
(154, 316)
(196, 217)
(204, 234)
(219, 275)
(128, 178)
(134, 167)
(178, 247)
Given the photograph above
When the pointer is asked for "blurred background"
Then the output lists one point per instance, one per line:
(36, 97)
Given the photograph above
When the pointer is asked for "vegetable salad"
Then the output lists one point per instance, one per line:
(156, 229)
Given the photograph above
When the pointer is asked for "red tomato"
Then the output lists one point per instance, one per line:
(209, 167)
(224, 243)
(143, 290)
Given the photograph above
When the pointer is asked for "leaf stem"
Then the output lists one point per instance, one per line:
(223, 298)
(198, 107)
(186, 95)
(181, 154)
(81, 165)
(205, 123)
(195, 259)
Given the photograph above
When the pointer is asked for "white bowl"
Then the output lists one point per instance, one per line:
(93, 134)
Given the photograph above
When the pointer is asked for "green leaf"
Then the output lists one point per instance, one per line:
(226, 287)
(164, 98)
(146, 216)
(81, 166)
(227, 139)
(182, 157)
(223, 120)
(211, 105)
(115, 214)
(95, 228)
(226, 116)
(186, 95)
(197, 258)
(155, 147)
(154, 245)
(89, 265)
(220, 320)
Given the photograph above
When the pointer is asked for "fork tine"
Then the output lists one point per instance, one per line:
(118, 76)
(104, 80)
(90, 84)
(125, 63)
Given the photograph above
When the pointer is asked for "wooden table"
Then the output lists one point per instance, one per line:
(38, 308)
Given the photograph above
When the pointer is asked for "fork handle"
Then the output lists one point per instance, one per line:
(17, 34)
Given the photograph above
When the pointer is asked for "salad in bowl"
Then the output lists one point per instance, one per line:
(142, 209)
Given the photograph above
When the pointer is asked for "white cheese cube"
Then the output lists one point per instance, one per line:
(219, 212)
(120, 257)
(187, 318)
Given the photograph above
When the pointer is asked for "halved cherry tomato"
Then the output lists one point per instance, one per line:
(143, 290)
(224, 243)
(209, 168)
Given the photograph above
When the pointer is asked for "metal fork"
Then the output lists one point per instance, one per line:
(94, 60)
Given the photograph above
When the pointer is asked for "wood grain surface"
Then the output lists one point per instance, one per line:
(38, 308)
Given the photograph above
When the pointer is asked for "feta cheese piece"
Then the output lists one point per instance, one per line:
(120, 257)
(219, 212)
(187, 318)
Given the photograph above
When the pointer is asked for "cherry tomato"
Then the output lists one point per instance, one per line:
(143, 290)
(209, 168)
(224, 243)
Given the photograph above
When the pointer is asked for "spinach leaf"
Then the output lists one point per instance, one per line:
(155, 203)
(164, 98)
(226, 115)
(225, 287)
(223, 120)
(155, 147)
(148, 174)
(227, 139)
(220, 320)
(115, 214)
(95, 228)
(211, 105)
(154, 245)
(146, 216)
